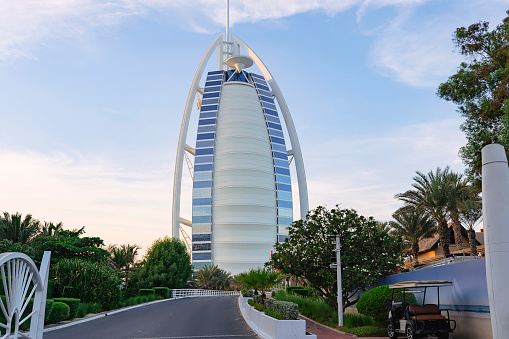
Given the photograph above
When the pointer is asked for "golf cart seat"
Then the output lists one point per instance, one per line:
(426, 312)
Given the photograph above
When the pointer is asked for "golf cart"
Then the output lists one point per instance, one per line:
(413, 320)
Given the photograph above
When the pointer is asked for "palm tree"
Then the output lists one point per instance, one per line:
(384, 226)
(458, 190)
(49, 229)
(123, 257)
(259, 279)
(470, 214)
(17, 230)
(212, 278)
(431, 195)
(413, 226)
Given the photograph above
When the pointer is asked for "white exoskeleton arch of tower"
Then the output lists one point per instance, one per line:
(236, 43)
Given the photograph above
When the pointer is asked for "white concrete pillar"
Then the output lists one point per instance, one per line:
(495, 201)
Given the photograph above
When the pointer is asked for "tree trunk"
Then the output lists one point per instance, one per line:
(443, 231)
(415, 250)
(471, 240)
(456, 227)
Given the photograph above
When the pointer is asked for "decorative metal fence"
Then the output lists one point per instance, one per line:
(189, 293)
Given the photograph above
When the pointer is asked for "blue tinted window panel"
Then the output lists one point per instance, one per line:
(212, 89)
(203, 159)
(202, 184)
(270, 112)
(272, 119)
(208, 108)
(201, 237)
(215, 72)
(283, 203)
(281, 163)
(279, 170)
(201, 219)
(257, 76)
(283, 179)
(202, 201)
(202, 210)
(205, 144)
(201, 256)
(285, 212)
(260, 81)
(203, 175)
(279, 148)
(208, 128)
(213, 101)
(205, 136)
(282, 237)
(284, 221)
(279, 155)
(274, 126)
(284, 195)
(206, 122)
(204, 151)
(267, 105)
(201, 247)
(198, 265)
(263, 87)
(264, 93)
(266, 99)
(215, 77)
(211, 95)
(277, 140)
(199, 168)
(213, 83)
(201, 192)
(205, 115)
(284, 187)
(276, 133)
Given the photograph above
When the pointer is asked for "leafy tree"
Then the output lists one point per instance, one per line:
(166, 264)
(470, 215)
(366, 252)
(480, 90)
(9, 246)
(123, 257)
(412, 226)
(13, 228)
(49, 229)
(431, 195)
(212, 278)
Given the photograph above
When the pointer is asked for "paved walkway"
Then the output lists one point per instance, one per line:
(326, 332)
(204, 318)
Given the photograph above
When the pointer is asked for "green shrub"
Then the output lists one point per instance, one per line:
(259, 307)
(288, 309)
(146, 292)
(367, 331)
(268, 302)
(257, 299)
(49, 309)
(60, 312)
(73, 304)
(273, 314)
(374, 302)
(312, 307)
(91, 282)
(351, 320)
(82, 311)
(163, 292)
(250, 302)
(93, 308)
(299, 290)
(51, 287)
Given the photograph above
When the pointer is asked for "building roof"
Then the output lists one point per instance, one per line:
(429, 244)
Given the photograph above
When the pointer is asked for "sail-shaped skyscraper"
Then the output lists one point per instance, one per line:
(242, 192)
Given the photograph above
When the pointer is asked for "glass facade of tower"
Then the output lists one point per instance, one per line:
(203, 185)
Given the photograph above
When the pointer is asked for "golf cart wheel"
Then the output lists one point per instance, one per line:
(410, 334)
(390, 331)
(443, 335)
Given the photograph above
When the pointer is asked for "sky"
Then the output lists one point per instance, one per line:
(92, 95)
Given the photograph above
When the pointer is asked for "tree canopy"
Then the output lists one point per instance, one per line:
(367, 253)
(166, 264)
(480, 89)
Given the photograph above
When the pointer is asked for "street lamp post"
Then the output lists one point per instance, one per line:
(340, 290)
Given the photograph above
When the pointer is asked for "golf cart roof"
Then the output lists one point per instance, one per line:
(422, 283)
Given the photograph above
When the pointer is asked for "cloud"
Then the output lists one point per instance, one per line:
(366, 173)
(114, 204)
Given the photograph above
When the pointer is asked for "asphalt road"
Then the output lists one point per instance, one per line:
(205, 317)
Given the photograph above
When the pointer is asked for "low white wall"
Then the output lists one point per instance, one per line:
(270, 328)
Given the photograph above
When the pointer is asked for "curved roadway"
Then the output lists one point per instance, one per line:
(205, 317)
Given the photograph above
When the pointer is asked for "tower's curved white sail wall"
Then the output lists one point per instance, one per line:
(244, 209)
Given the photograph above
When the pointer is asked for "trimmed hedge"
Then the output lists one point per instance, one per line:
(59, 313)
(146, 291)
(273, 314)
(49, 309)
(163, 292)
(288, 309)
(73, 304)
(374, 302)
(298, 290)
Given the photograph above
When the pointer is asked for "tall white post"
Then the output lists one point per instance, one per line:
(495, 201)
(227, 20)
(340, 289)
